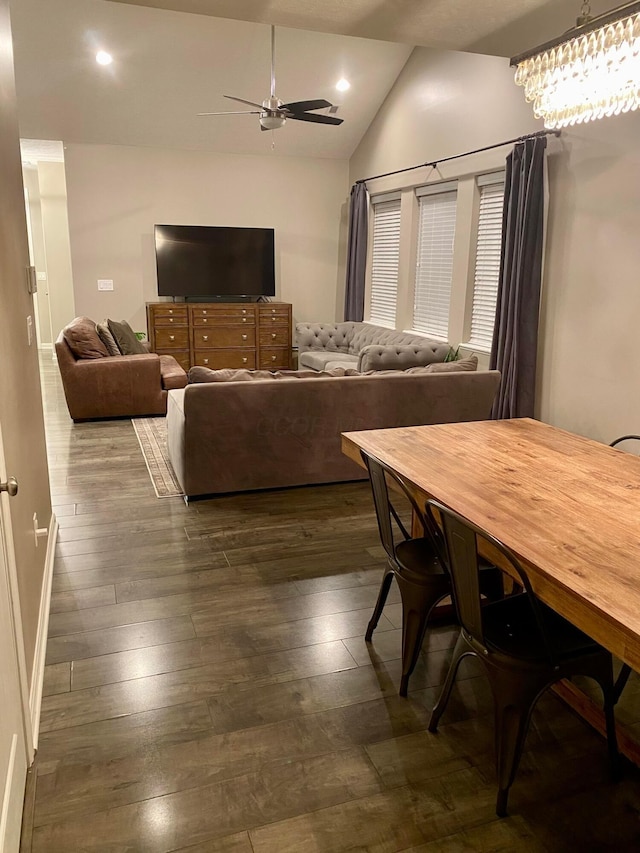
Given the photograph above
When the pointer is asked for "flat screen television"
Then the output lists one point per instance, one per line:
(201, 262)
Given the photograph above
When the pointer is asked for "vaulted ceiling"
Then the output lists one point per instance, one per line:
(169, 64)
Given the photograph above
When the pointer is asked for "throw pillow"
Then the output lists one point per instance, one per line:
(104, 333)
(469, 363)
(125, 338)
(83, 340)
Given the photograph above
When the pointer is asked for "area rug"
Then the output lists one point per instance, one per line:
(152, 438)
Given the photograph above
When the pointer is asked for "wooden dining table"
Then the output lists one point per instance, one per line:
(567, 506)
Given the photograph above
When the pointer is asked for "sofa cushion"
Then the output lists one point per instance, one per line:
(125, 337)
(83, 340)
(173, 376)
(104, 333)
(469, 363)
(243, 374)
(318, 359)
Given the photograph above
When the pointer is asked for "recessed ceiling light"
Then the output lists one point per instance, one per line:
(342, 85)
(103, 58)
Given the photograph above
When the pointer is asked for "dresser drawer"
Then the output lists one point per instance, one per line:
(222, 314)
(276, 336)
(177, 316)
(281, 320)
(224, 320)
(273, 359)
(217, 358)
(273, 310)
(176, 338)
(224, 336)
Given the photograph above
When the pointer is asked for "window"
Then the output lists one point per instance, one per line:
(385, 255)
(488, 251)
(436, 230)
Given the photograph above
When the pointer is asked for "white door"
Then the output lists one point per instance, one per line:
(13, 749)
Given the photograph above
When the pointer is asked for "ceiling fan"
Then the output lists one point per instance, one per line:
(273, 112)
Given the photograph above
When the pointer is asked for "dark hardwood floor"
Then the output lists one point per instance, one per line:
(208, 687)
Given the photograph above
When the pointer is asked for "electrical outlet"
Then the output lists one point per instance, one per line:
(30, 329)
(105, 284)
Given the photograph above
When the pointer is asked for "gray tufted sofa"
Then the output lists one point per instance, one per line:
(323, 346)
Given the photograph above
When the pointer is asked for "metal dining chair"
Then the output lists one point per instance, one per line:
(416, 564)
(523, 645)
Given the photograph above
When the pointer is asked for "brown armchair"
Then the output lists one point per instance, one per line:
(117, 386)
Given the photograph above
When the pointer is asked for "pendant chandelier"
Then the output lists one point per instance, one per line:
(589, 72)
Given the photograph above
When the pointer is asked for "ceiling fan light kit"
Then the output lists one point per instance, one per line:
(592, 71)
(273, 113)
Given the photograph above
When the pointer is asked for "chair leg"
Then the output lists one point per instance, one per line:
(377, 610)
(514, 699)
(621, 681)
(460, 650)
(602, 671)
(417, 602)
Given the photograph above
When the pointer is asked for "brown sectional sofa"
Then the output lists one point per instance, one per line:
(262, 434)
(117, 386)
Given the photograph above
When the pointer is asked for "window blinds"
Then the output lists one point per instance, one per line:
(385, 255)
(488, 250)
(436, 230)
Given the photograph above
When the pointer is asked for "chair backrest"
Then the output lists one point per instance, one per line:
(623, 438)
(386, 513)
(461, 543)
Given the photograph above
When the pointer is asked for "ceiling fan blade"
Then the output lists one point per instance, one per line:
(242, 101)
(304, 106)
(314, 117)
(234, 113)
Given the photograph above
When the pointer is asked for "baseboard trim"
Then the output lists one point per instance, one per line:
(37, 678)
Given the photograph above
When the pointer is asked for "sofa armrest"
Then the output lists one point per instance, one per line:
(320, 336)
(115, 386)
(400, 357)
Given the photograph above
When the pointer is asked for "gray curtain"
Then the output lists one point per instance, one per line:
(356, 253)
(515, 334)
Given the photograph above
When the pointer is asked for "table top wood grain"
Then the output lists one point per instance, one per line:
(567, 506)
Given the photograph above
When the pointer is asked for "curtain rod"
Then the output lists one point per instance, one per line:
(435, 163)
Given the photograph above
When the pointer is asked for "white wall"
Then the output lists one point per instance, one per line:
(55, 225)
(444, 103)
(116, 194)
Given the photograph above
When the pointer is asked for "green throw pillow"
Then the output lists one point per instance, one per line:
(125, 337)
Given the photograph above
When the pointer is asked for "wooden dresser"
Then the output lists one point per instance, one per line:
(222, 334)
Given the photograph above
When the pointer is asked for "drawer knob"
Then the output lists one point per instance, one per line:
(273, 335)
(170, 310)
(205, 337)
(206, 360)
(244, 337)
(244, 360)
(273, 358)
(171, 320)
(244, 319)
(273, 319)
(273, 310)
(204, 311)
(205, 321)
(244, 310)
(172, 337)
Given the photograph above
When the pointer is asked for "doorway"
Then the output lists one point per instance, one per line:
(48, 230)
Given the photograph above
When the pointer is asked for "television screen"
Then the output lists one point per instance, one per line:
(204, 261)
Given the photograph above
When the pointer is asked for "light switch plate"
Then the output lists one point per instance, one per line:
(41, 276)
(105, 284)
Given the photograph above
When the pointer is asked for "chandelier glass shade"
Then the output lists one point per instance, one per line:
(589, 72)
